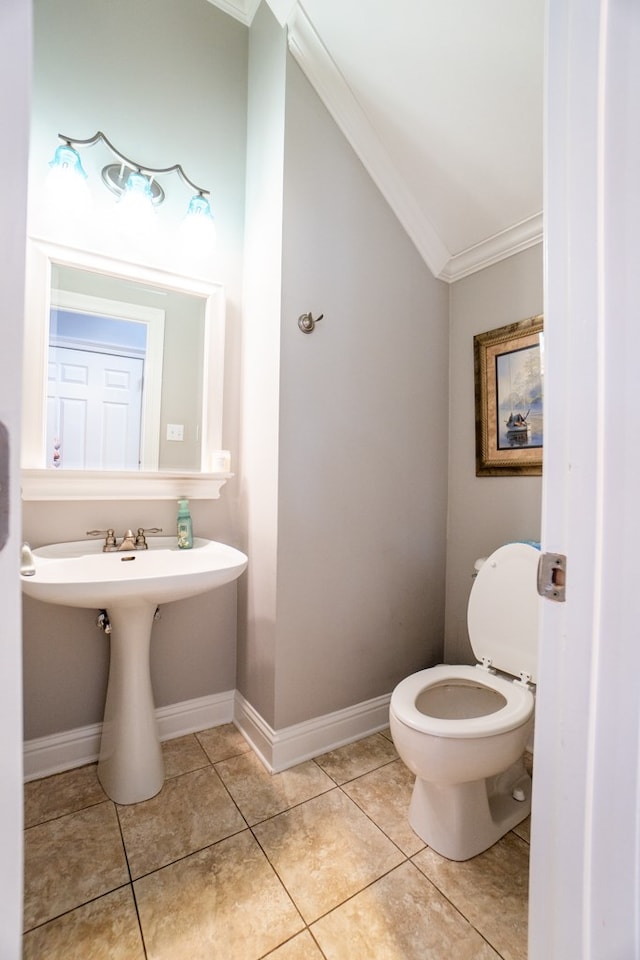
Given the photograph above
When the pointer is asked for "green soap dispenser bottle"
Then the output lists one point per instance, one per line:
(185, 525)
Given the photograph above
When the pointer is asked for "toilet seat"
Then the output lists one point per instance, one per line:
(517, 709)
(503, 610)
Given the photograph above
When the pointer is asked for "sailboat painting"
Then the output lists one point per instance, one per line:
(509, 380)
(519, 398)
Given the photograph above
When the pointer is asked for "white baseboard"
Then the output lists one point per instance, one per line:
(277, 749)
(61, 751)
(189, 716)
(281, 749)
(73, 748)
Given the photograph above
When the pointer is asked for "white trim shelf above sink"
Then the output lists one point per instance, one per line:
(54, 484)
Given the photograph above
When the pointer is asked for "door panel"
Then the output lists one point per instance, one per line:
(15, 73)
(585, 839)
(94, 410)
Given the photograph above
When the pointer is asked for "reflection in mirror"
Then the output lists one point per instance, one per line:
(123, 367)
(125, 374)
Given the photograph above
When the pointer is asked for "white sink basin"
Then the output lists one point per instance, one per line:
(79, 574)
(130, 585)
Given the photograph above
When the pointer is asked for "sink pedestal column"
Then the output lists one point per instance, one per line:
(130, 767)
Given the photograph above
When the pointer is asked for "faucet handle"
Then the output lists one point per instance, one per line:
(109, 535)
(140, 536)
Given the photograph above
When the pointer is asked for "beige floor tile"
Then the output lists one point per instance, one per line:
(105, 929)
(260, 795)
(523, 830)
(325, 850)
(302, 947)
(347, 763)
(384, 795)
(490, 890)
(400, 917)
(189, 813)
(70, 861)
(215, 892)
(220, 743)
(224, 901)
(61, 794)
(182, 755)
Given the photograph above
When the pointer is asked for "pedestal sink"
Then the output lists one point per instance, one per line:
(130, 585)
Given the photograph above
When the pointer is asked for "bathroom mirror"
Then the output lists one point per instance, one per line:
(123, 373)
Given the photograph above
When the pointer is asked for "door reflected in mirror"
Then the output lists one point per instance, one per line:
(124, 385)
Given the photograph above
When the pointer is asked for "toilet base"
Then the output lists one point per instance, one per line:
(461, 820)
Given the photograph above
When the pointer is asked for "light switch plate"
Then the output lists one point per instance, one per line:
(175, 431)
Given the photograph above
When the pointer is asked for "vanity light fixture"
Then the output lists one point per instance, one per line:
(132, 183)
(67, 160)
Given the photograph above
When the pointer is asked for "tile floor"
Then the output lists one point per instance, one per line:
(231, 863)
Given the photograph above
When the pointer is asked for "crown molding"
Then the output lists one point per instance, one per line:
(315, 61)
(313, 58)
(242, 10)
(501, 245)
(283, 10)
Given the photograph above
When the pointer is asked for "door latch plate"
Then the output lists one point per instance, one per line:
(552, 577)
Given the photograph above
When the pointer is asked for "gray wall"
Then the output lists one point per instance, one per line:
(167, 83)
(341, 498)
(344, 447)
(484, 512)
(363, 432)
(261, 361)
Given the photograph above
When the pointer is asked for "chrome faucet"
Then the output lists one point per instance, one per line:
(27, 563)
(130, 541)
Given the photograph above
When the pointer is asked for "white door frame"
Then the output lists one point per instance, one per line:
(154, 321)
(15, 80)
(585, 888)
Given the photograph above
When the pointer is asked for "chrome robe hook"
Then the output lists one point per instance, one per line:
(307, 323)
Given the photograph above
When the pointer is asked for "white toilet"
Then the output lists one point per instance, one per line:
(463, 730)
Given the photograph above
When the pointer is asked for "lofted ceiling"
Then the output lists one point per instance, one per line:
(442, 101)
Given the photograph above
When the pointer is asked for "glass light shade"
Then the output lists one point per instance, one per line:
(197, 234)
(138, 185)
(66, 199)
(136, 211)
(199, 206)
(68, 160)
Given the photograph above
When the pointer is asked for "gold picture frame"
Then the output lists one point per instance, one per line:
(509, 379)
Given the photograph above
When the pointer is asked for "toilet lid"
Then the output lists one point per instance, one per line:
(502, 615)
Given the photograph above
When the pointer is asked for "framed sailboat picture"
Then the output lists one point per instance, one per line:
(509, 379)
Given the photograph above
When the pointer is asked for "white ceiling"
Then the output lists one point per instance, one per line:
(442, 102)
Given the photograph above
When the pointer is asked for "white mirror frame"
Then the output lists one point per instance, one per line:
(42, 483)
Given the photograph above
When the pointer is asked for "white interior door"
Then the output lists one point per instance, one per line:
(15, 73)
(94, 409)
(585, 850)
